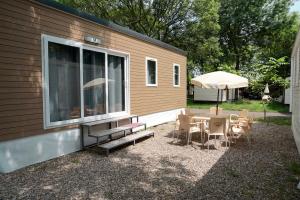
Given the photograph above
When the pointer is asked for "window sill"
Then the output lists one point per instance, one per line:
(74, 122)
(152, 85)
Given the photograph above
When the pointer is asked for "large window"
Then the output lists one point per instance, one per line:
(151, 71)
(116, 84)
(94, 83)
(176, 75)
(64, 82)
(82, 83)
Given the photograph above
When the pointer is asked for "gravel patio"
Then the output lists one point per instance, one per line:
(157, 168)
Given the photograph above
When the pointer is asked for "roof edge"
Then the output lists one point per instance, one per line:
(110, 25)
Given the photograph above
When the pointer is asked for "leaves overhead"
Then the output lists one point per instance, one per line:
(161, 19)
(231, 35)
(250, 26)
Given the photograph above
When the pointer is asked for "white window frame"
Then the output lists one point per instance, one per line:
(174, 64)
(45, 80)
(156, 75)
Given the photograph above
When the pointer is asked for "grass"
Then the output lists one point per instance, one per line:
(75, 161)
(287, 121)
(294, 168)
(251, 105)
(232, 172)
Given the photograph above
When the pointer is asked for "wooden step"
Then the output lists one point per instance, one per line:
(125, 140)
(134, 125)
(108, 132)
(119, 129)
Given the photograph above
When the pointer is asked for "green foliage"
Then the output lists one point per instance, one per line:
(228, 68)
(247, 37)
(281, 121)
(161, 19)
(251, 105)
(253, 28)
(202, 37)
(270, 72)
(277, 37)
(294, 167)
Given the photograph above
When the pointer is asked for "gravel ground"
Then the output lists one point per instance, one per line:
(158, 168)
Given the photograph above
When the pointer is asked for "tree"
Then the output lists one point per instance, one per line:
(201, 38)
(190, 25)
(252, 31)
(268, 72)
(161, 19)
(246, 26)
(278, 43)
(238, 36)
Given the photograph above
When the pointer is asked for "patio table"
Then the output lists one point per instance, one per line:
(201, 121)
(200, 118)
(205, 120)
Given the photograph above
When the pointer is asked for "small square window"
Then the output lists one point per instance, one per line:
(151, 72)
(176, 75)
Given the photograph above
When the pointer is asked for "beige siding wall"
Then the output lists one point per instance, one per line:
(295, 88)
(23, 22)
(296, 118)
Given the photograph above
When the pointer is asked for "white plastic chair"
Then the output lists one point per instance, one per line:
(217, 127)
(242, 127)
(244, 113)
(184, 125)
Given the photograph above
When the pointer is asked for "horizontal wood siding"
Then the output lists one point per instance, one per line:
(21, 94)
(295, 88)
(296, 116)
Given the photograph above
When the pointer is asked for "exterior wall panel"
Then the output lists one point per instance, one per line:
(296, 118)
(21, 92)
(295, 90)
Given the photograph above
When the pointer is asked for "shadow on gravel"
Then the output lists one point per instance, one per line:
(87, 175)
(259, 171)
(256, 171)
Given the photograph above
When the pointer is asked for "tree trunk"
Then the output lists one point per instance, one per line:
(237, 67)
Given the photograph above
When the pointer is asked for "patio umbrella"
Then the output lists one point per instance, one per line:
(96, 82)
(220, 80)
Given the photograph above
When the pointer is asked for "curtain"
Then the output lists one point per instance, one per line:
(64, 82)
(94, 83)
(116, 84)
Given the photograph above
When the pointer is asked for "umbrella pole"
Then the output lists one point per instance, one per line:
(217, 110)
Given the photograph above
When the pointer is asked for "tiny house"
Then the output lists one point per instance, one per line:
(203, 94)
(60, 67)
(295, 90)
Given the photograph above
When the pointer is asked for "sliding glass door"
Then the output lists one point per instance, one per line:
(94, 83)
(64, 82)
(116, 84)
(82, 83)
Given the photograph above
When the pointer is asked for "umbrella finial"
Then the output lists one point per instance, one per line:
(267, 91)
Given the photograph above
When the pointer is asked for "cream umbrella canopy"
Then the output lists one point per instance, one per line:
(220, 80)
(96, 82)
